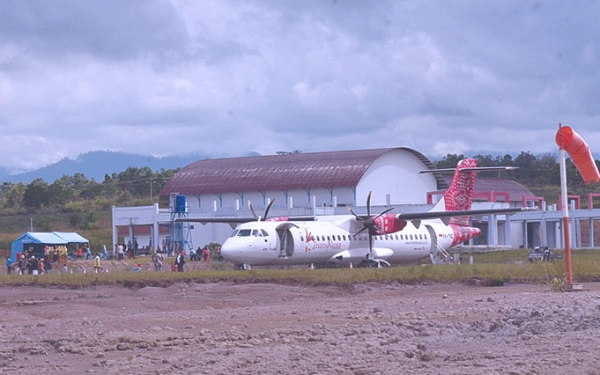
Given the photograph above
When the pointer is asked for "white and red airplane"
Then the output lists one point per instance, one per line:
(344, 239)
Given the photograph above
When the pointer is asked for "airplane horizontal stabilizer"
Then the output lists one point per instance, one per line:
(469, 169)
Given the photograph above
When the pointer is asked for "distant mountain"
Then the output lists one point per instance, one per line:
(95, 164)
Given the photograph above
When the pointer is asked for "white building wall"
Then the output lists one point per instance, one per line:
(232, 203)
(396, 174)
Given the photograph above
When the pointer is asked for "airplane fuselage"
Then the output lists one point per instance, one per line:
(330, 240)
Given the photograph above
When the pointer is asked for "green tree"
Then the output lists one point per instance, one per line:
(12, 195)
(136, 181)
(60, 192)
(36, 194)
(550, 170)
(527, 171)
(449, 161)
(504, 161)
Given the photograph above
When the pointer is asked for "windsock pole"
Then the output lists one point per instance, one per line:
(565, 211)
(569, 141)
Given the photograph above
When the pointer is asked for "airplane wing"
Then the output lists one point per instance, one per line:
(442, 214)
(400, 216)
(206, 220)
(233, 220)
(445, 214)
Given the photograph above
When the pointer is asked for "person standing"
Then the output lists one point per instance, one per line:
(8, 265)
(33, 263)
(97, 263)
(180, 261)
(158, 261)
(22, 265)
(120, 251)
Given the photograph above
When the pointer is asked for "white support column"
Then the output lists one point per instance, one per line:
(155, 228)
(507, 231)
(493, 230)
(591, 232)
(114, 229)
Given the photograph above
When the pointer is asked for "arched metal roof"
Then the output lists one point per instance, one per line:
(277, 172)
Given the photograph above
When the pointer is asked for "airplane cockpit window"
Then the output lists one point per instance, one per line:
(256, 233)
(244, 233)
(264, 233)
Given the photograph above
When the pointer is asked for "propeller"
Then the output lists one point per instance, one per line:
(258, 218)
(370, 224)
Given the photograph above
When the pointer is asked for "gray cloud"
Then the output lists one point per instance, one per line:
(227, 77)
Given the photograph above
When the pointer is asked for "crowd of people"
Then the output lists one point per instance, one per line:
(201, 255)
(28, 263)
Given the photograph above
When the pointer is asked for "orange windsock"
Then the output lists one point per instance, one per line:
(568, 140)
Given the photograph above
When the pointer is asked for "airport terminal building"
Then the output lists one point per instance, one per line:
(326, 183)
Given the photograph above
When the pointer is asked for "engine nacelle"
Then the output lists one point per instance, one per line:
(388, 223)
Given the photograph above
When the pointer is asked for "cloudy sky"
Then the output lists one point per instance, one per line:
(225, 78)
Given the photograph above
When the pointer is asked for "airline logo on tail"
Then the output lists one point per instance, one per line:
(458, 196)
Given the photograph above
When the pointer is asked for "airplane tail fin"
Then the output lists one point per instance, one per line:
(459, 196)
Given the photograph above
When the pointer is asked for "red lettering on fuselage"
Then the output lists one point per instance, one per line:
(327, 245)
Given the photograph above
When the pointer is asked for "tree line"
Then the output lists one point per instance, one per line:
(533, 171)
(142, 185)
(117, 188)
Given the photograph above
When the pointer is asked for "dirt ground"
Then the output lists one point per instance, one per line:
(226, 328)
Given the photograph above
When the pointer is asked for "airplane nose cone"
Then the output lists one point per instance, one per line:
(228, 252)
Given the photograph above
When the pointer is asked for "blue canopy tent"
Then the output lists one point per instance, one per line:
(35, 242)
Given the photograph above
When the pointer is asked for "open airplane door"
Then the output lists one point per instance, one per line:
(437, 253)
(285, 240)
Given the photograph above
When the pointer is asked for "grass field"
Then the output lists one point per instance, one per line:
(494, 268)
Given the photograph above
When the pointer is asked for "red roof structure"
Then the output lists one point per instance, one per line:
(276, 172)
